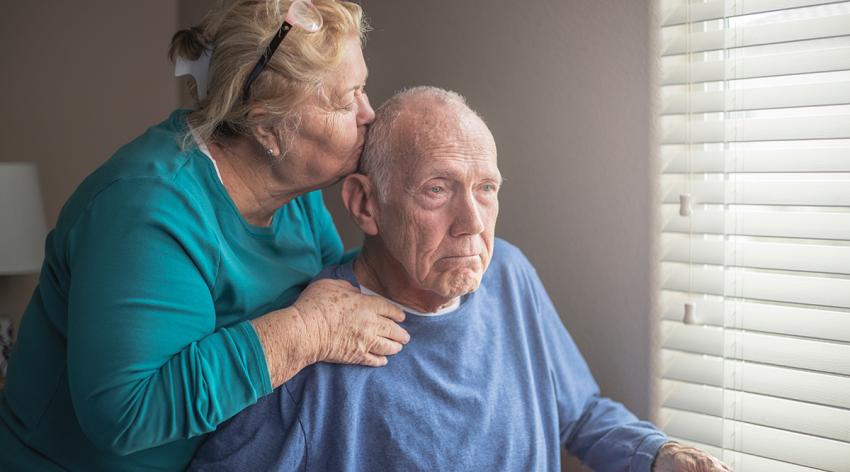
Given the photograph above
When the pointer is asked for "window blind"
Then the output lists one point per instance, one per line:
(755, 231)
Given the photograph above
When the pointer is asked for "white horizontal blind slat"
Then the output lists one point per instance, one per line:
(800, 288)
(681, 130)
(674, 13)
(680, 70)
(800, 190)
(765, 317)
(757, 254)
(808, 418)
(755, 221)
(782, 382)
(787, 351)
(770, 349)
(768, 160)
(677, 41)
(755, 99)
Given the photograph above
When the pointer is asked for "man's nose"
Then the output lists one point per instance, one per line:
(365, 113)
(468, 216)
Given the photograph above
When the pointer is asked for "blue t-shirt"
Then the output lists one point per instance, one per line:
(137, 340)
(497, 384)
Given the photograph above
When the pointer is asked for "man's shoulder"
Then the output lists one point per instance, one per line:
(509, 266)
(344, 271)
(506, 256)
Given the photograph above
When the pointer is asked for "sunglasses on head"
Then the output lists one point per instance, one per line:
(303, 14)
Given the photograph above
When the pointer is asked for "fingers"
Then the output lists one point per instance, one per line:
(385, 347)
(721, 466)
(392, 331)
(387, 309)
(712, 464)
(697, 460)
(371, 360)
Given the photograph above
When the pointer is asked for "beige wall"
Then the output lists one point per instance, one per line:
(79, 80)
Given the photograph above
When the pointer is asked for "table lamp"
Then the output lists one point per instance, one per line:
(22, 227)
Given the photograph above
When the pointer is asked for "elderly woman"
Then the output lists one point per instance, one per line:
(169, 295)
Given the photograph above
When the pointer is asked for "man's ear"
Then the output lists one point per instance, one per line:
(265, 135)
(361, 200)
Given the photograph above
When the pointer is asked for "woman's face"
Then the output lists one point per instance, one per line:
(329, 139)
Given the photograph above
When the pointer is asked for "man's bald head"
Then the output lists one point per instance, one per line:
(409, 122)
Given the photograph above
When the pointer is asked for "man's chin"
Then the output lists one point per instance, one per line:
(461, 284)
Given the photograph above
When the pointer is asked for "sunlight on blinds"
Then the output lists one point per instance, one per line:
(755, 231)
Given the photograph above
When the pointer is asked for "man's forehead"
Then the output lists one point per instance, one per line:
(443, 138)
(454, 165)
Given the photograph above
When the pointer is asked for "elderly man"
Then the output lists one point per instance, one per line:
(490, 379)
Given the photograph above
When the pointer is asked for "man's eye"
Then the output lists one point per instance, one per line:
(489, 187)
(436, 189)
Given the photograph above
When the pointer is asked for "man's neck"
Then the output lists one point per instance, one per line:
(380, 272)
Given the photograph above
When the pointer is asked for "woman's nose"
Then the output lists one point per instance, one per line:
(365, 113)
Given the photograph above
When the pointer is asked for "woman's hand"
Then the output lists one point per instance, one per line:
(330, 322)
(674, 457)
(348, 327)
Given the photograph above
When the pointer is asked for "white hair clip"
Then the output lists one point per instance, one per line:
(199, 69)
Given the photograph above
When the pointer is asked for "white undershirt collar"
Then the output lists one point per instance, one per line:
(442, 311)
(203, 147)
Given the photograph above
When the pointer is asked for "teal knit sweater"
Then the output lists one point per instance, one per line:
(137, 339)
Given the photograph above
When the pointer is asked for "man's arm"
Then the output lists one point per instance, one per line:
(265, 436)
(602, 433)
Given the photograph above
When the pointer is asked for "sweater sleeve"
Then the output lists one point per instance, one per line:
(146, 364)
(602, 433)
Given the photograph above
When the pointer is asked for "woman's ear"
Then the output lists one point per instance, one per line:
(361, 201)
(266, 136)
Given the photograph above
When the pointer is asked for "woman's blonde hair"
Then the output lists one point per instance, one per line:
(238, 34)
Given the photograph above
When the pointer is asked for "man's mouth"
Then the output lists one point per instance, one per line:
(461, 258)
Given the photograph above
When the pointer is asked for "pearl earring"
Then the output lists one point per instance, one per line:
(270, 152)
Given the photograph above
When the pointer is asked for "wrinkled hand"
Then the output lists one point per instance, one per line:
(348, 327)
(674, 457)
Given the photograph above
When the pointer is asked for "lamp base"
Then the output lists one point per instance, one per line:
(5, 345)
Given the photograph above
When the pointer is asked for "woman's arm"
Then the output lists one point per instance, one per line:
(146, 365)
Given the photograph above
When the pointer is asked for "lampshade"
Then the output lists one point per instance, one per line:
(22, 227)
